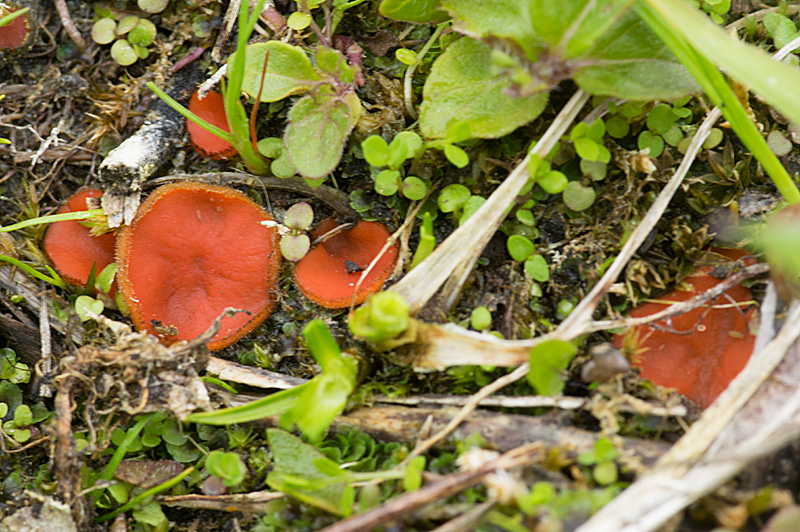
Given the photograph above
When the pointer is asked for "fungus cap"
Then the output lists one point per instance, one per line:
(18, 32)
(191, 251)
(704, 349)
(212, 109)
(328, 274)
(70, 247)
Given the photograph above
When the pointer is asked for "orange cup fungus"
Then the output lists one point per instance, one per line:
(70, 247)
(191, 251)
(701, 351)
(17, 33)
(211, 109)
(328, 274)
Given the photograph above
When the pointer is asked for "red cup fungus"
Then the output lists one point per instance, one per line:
(191, 251)
(212, 109)
(17, 33)
(701, 351)
(328, 274)
(70, 247)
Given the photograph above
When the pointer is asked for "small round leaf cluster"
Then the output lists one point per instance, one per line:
(295, 245)
(130, 37)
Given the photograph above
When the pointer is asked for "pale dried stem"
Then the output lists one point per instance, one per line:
(66, 21)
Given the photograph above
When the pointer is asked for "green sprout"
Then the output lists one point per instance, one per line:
(227, 466)
(130, 37)
(601, 458)
(406, 145)
(383, 316)
(296, 243)
(312, 406)
(548, 361)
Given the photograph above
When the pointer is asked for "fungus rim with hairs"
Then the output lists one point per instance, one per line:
(193, 250)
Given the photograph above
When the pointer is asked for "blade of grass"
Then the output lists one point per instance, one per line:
(208, 126)
(696, 42)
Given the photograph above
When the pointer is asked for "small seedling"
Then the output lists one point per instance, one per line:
(385, 315)
(130, 37)
(227, 466)
(296, 242)
(405, 146)
(601, 459)
(548, 361)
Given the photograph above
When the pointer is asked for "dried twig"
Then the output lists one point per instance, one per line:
(405, 504)
(66, 21)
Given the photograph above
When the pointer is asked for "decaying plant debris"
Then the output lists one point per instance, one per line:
(99, 374)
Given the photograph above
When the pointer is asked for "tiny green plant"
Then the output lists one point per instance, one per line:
(129, 37)
(601, 460)
(383, 316)
(227, 466)
(405, 145)
(311, 406)
(296, 242)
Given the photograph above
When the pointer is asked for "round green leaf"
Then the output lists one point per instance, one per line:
(519, 247)
(453, 197)
(414, 188)
(553, 182)
(536, 267)
(480, 318)
(578, 197)
(376, 151)
(387, 182)
(653, 142)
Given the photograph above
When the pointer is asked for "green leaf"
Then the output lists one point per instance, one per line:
(630, 61)
(453, 197)
(383, 316)
(413, 479)
(781, 29)
(505, 19)
(548, 360)
(661, 118)
(295, 459)
(587, 148)
(420, 11)
(387, 182)
(23, 416)
(227, 466)
(652, 142)
(471, 207)
(536, 267)
(318, 130)
(456, 155)
(289, 71)
(480, 319)
(553, 182)
(376, 151)
(270, 147)
(414, 188)
(462, 88)
(85, 306)
(578, 197)
(519, 247)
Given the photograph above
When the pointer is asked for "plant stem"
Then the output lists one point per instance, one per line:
(77, 215)
(146, 495)
(55, 281)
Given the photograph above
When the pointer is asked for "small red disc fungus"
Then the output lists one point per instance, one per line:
(701, 351)
(70, 247)
(17, 32)
(328, 274)
(211, 109)
(191, 251)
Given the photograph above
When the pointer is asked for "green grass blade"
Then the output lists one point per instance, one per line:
(699, 62)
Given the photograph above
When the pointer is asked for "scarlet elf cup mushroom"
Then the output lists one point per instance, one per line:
(329, 273)
(191, 251)
(211, 109)
(72, 249)
(699, 352)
